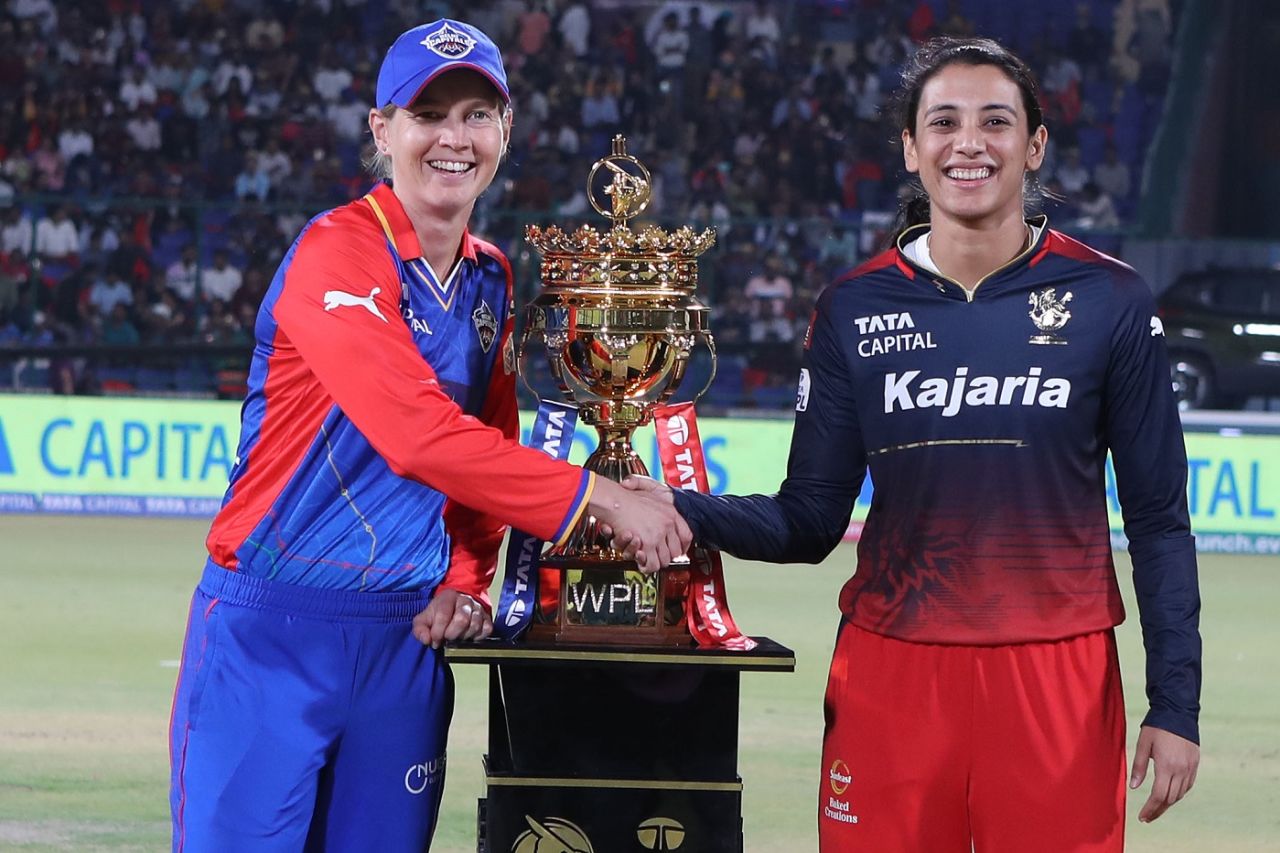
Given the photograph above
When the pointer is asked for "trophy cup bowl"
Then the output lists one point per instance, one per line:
(617, 320)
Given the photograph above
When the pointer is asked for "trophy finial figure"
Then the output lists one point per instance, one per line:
(628, 188)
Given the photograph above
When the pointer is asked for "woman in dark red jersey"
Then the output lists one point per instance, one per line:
(981, 370)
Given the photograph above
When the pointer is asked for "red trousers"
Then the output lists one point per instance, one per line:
(990, 749)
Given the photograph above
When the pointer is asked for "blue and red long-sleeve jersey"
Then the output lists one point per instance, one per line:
(985, 422)
(378, 447)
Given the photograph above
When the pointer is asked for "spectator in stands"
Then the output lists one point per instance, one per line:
(331, 78)
(169, 320)
(14, 275)
(1112, 175)
(221, 280)
(264, 34)
(254, 287)
(144, 129)
(1097, 209)
(794, 104)
(75, 141)
(181, 276)
(276, 163)
(1086, 43)
(840, 248)
(102, 240)
(131, 259)
(1151, 46)
(827, 82)
(761, 26)
(858, 175)
(890, 47)
(670, 47)
(769, 291)
(40, 333)
(118, 329)
(40, 12)
(698, 59)
(23, 312)
(198, 99)
(9, 331)
(218, 325)
(233, 70)
(1061, 74)
(57, 239)
(136, 90)
(920, 24)
(955, 24)
(67, 303)
(48, 167)
(600, 102)
(1071, 173)
(575, 28)
(109, 291)
(17, 233)
(346, 116)
(252, 183)
(532, 29)
(267, 96)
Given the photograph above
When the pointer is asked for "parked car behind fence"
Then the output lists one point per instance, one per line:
(1223, 329)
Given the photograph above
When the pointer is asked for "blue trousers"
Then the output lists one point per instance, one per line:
(305, 719)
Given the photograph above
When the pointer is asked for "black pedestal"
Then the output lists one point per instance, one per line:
(608, 749)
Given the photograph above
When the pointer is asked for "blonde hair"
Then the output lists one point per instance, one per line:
(378, 163)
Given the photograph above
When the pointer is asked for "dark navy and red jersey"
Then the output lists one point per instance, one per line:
(985, 423)
(375, 391)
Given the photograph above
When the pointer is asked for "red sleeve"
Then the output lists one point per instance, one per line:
(364, 357)
(476, 536)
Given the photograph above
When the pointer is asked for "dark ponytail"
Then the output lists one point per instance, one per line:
(913, 210)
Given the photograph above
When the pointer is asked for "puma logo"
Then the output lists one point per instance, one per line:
(338, 298)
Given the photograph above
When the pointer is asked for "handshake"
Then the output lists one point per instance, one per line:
(640, 516)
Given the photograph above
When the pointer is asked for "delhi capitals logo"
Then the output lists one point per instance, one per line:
(1050, 314)
(449, 42)
(486, 325)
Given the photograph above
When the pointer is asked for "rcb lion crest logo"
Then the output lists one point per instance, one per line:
(449, 42)
(1050, 314)
(486, 325)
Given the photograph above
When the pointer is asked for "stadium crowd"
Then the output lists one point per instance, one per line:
(159, 157)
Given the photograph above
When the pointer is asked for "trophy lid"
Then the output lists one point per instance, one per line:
(620, 258)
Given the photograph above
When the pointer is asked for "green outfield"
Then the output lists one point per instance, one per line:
(91, 616)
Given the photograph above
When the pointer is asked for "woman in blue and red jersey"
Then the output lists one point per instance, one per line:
(980, 370)
(378, 467)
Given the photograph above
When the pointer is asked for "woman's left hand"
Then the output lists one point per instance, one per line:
(1176, 760)
(452, 615)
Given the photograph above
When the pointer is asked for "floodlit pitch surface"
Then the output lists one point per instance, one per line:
(92, 611)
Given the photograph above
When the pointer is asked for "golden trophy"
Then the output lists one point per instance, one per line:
(618, 320)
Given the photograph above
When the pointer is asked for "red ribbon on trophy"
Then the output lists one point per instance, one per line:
(683, 467)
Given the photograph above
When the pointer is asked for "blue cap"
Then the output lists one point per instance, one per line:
(424, 53)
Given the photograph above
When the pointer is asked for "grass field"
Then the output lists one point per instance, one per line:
(91, 616)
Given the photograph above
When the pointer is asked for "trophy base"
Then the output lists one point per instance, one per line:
(582, 601)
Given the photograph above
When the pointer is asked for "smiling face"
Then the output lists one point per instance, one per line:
(972, 146)
(445, 147)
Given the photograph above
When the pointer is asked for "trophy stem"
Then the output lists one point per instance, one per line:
(615, 458)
